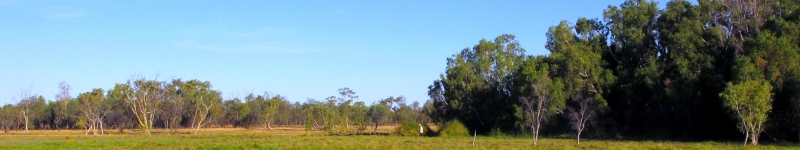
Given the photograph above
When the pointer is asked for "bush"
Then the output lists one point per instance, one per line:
(453, 128)
(409, 129)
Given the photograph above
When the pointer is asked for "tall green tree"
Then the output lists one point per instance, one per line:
(62, 99)
(543, 96)
(577, 60)
(476, 83)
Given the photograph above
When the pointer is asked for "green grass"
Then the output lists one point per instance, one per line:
(290, 139)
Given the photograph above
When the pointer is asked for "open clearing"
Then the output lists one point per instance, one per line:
(296, 138)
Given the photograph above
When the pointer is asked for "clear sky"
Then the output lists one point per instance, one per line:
(298, 49)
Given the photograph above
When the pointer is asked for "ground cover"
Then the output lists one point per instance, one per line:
(297, 138)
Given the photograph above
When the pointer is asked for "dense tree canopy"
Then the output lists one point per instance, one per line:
(640, 72)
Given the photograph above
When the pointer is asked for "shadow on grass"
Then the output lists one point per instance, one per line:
(359, 134)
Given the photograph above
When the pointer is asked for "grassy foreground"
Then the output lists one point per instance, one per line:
(295, 138)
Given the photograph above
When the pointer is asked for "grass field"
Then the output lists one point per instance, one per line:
(296, 138)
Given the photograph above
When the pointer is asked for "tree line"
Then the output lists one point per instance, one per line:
(144, 104)
(710, 70)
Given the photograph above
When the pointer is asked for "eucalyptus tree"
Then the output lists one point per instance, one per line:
(27, 104)
(750, 102)
(476, 83)
(62, 100)
(577, 60)
(348, 96)
(542, 96)
(92, 111)
(143, 98)
(203, 99)
(317, 115)
(271, 107)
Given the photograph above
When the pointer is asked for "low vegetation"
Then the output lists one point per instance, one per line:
(295, 137)
(453, 129)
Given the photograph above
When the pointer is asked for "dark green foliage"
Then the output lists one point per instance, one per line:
(475, 87)
(649, 73)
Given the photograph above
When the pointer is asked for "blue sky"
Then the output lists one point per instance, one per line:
(298, 49)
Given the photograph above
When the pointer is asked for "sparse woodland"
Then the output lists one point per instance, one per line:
(706, 70)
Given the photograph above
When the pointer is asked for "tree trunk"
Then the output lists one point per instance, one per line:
(535, 134)
(25, 116)
(88, 128)
(102, 131)
(579, 136)
(746, 137)
(121, 128)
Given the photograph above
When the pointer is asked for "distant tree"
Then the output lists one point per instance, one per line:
(359, 115)
(91, 110)
(8, 117)
(203, 98)
(117, 111)
(27, 102)
(346, 99)
(378, 113)
(318, 114)
(174, 106)
(143, 97)
(271, 110)
(62, 100)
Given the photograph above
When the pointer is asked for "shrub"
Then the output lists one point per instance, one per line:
(453, 128)
(408, 128)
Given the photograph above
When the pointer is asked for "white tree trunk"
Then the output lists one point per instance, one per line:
(26, 123)
(102, 131)
(579, 136)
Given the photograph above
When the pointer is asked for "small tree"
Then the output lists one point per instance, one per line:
(750, 102)
(348, 96)
(582, 111)
(359, 115)
(8, 115)
(271, 110)
(377, 114)
(62, 99)
(27, 102)
(91, 111)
